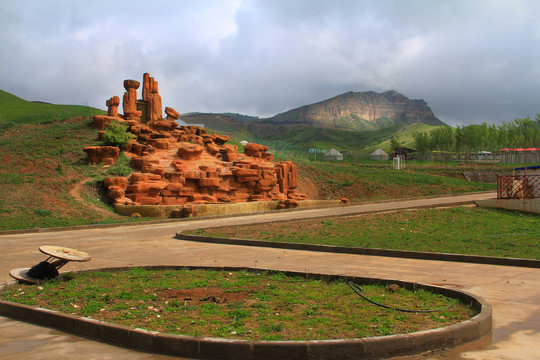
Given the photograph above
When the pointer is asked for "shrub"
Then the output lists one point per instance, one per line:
(116, 135)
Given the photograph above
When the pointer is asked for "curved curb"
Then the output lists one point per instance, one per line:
(213, 348)
(477, 259)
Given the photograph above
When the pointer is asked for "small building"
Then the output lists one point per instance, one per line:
(379, 155)
(333, 155)
(402, 151)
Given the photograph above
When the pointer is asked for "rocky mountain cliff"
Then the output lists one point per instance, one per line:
(359, 111)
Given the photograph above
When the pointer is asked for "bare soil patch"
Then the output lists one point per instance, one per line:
(76, 193)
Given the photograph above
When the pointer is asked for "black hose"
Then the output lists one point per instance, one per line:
(357, 289)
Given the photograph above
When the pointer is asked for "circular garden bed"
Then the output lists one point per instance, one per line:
(186, 311)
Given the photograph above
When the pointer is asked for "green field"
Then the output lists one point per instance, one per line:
(462, 230)
(377, 181)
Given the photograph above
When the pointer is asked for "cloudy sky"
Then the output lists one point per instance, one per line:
(470, 60)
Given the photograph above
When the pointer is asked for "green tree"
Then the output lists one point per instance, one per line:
(442, 139)
(395, 143)
(421, 142)
(116, 134)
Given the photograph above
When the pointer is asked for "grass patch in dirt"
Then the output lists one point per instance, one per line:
(461, 230)
(239, 304)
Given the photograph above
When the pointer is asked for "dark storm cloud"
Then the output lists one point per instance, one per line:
(472, 61)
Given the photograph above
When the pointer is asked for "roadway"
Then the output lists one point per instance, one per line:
(513, 292)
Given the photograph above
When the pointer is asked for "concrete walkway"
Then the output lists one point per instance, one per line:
(513, 292)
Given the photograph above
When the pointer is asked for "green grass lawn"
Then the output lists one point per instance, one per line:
(240, 304)
(462, 230)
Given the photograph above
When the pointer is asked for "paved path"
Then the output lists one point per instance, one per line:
(513, 292)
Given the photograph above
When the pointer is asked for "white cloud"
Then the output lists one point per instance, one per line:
(470, 60)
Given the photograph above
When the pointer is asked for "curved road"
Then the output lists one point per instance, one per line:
(513, 292)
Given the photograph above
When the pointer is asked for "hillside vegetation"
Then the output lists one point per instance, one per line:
(301, 138)
(44, 177)
(15, 110)
(367, 181)
(46, 181)
(405, 135)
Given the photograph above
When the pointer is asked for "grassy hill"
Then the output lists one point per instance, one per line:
(15, 110)
(44, 170)
(308, 136)
(46, 181)
(405, 136)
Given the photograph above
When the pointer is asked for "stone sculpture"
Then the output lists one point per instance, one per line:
(184, 165)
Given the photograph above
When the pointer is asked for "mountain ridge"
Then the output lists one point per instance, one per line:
(359, 110)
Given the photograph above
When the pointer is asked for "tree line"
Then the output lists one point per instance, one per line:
(518, 133)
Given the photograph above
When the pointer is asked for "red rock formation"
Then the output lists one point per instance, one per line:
(101, 121)
(107, 155)
(258, 151)
(172, 114)
(185, 166)
(130, 99)
(116, 190)
(151, 100)
(190, 152)
(112, 105)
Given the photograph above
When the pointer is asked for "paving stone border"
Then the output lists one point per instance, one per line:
(477, 259)
(213, 348)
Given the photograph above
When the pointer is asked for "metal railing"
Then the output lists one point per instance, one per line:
(518, 187)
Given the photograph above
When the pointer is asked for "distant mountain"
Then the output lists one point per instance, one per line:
(359, 111)
(241, 117)
(213, 121)
(349, 121)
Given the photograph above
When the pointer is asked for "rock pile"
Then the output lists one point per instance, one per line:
(184, 165)
(107, 155)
